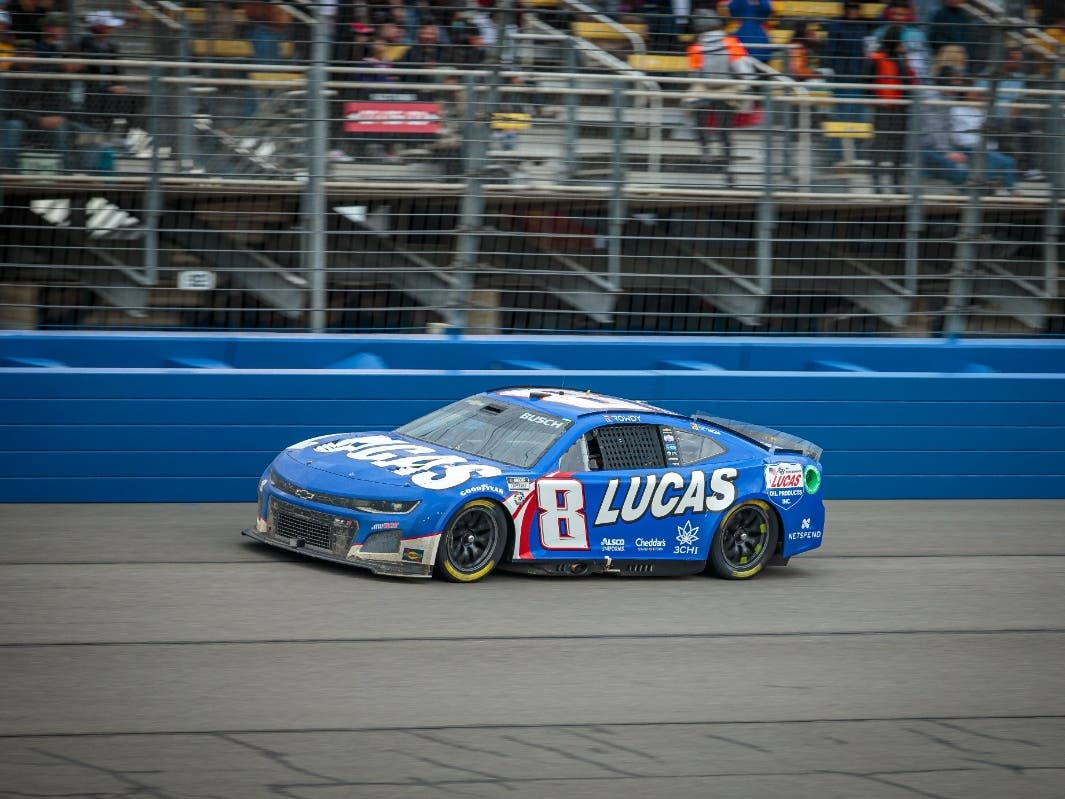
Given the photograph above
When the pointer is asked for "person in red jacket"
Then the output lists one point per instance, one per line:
(891, 77)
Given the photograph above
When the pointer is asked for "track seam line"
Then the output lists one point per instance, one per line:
(533, 638)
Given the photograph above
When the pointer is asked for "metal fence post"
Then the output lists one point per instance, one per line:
(1055, 164)
(961, 284)
(476, 129)
(569, 158)
(617, 182)
(186, 137)
(153, 201)
(915, 210)
(767, 206)
(314, 207)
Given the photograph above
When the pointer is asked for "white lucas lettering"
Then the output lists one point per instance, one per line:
(607, 514)
(631, 511)
(724, 490)
(659, 497)
(661, 507)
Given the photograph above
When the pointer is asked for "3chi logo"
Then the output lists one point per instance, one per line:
(687, 539)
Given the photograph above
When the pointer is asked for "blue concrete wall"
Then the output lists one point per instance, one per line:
(155, 417)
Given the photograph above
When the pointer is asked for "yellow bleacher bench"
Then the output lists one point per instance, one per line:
(600, 31)
(814, 9)
(276, 77)
(651, 62)
(505, 121)
(194, 15)
(847, 130)
(232, 48)
(542, 3)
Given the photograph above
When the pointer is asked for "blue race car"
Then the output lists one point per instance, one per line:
(547, 481)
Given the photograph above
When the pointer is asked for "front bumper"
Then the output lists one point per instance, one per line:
(378, 564)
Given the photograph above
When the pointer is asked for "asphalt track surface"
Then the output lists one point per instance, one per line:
(150, 651)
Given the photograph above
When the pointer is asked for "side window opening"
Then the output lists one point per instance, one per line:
(629, 446)
(693, 448)
(583, 456)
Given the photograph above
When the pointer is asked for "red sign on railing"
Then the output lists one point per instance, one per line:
(417, 119)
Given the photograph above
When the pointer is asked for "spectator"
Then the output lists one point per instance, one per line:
(7, 41)
(752, 16)
(951, 57)
(845, 57)
(720, 57)
(915, 43)
(665, 20)
(26, 17)
(426, 52)
(268, 25)
(967, 124)
(939, 158)
(953, 24)
(352, 40)
(801, 52)
(891, 74)
(52, 43)
(1013, 130)
(353, 52)
(467, 46)
(35, 106)
(108, 103)
(377, 60)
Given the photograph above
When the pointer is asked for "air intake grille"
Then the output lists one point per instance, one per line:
(288, 521)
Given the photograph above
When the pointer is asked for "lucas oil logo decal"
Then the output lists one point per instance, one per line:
(425, 467)
(668, 496)
(784, 483)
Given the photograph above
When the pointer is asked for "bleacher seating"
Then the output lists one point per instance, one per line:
(232, 48)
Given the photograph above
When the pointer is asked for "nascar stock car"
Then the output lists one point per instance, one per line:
(547, 481)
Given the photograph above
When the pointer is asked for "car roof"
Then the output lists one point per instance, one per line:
(569, 402)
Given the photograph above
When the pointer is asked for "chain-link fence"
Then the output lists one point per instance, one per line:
(411, 166)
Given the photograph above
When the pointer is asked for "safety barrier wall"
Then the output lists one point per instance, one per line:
(184, 417)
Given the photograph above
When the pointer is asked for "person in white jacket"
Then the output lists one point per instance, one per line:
(967, 121)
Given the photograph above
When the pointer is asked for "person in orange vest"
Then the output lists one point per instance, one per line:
(723, 59)
(891, 75)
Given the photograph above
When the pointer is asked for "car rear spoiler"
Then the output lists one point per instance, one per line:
(765, 437)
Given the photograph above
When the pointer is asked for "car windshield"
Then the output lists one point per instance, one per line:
(491, 429)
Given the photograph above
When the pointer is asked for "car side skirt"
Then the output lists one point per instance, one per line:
(619, 568)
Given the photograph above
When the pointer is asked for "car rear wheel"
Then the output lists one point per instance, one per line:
(745, 541)
(472, 543)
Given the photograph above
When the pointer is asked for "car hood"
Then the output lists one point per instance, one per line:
(387, 458)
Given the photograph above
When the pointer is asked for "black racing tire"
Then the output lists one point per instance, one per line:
(745, 541)
(472, 543)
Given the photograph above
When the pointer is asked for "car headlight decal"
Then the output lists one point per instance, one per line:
(380, 506)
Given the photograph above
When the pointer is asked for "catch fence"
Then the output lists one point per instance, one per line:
(554, 184)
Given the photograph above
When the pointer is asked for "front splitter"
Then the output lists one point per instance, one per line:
(388, 568)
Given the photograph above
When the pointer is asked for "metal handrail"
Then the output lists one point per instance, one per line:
(156, 14)
(616, 65)
(634, 39)
(992, 12)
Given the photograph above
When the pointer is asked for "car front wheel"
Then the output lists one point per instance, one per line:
(745, 541)
(472, 543)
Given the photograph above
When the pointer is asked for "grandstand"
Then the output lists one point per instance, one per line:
(552, 180)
